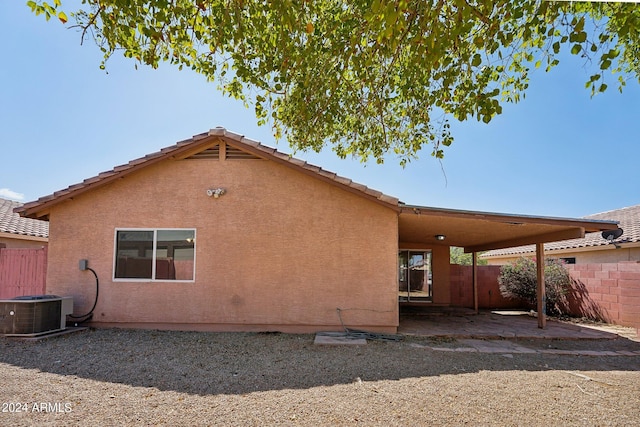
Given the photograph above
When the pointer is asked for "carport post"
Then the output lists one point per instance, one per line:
(541, 295)
(475, 281)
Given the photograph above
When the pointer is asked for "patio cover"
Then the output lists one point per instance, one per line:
(481, 231)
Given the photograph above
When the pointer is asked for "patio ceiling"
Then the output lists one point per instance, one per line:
(480, 231)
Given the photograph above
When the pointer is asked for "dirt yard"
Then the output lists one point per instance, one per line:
(126, 377)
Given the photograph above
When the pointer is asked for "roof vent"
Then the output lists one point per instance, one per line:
(234, 153)
(212, 153)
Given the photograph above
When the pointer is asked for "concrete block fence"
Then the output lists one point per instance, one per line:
(609, 292)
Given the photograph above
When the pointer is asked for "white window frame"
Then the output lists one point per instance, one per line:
(153, 257)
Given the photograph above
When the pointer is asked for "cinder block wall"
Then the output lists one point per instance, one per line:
(610, 292)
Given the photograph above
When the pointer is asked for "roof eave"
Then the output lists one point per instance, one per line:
(321, 174)
(588, 225)
(40, 208)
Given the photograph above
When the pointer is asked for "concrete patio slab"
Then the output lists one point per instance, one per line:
(324, 338)
(498, 325)
(484, 346)
(509, 348)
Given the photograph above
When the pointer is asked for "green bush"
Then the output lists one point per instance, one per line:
(518, 280)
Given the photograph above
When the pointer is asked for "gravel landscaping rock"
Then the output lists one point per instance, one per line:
(140, 377)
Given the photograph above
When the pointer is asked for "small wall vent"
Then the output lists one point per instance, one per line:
(212, 153)
(237, 154)
(231, 153)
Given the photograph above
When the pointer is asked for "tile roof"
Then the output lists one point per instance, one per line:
(12, 223)
(38, 208)
(629, 219)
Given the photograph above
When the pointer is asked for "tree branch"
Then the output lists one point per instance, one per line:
(478, 14)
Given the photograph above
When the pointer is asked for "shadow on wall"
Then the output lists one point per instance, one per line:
(578, 302)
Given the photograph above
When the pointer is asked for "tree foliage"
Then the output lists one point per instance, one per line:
(458, 256)
(518, 280)
(366, 77)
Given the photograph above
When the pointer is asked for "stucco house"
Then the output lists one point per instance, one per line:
(590, 249)
(20, 233)
(221, 233)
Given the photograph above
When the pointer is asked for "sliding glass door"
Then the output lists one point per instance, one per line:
(414, 276)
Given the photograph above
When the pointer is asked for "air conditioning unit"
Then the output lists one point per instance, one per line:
(34, 315)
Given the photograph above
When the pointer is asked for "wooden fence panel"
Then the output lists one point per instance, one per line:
(489, 296)
(22, 272)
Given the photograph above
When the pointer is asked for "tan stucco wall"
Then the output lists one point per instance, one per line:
(281, 250)
(28, 242)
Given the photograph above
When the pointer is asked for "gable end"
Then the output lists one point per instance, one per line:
(223, 151)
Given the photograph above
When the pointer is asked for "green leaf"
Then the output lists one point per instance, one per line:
(62, 17)
(579, 37)
(575, 49)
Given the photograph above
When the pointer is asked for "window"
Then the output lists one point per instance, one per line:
(155, 254)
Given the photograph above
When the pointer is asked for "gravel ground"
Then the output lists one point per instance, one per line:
(136, 377)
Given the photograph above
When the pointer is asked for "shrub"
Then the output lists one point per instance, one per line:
(518, 280)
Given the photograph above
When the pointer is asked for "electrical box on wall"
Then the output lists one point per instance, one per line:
(83, 264)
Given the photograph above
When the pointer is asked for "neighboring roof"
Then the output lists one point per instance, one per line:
(12, 223)
(629, 221)
(196, 144)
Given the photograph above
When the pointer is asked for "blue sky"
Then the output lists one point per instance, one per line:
(557, 153)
